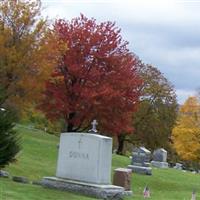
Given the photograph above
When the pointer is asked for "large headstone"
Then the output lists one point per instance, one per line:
(141, 161)
(84, 166)
(160, 158)
(85, 157)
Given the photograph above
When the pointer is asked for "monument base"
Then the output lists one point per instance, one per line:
(159, 164)
(140, 169)
(128, 193)
(88, 189)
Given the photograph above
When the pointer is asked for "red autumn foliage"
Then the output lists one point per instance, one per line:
(95, 79)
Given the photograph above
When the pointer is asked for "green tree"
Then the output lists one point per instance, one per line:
(9, 140)
(157, 111)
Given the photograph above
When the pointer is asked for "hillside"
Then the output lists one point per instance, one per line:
(38, 158)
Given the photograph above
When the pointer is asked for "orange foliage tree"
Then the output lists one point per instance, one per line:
(186, 135)
(95, 79)
(27, 51)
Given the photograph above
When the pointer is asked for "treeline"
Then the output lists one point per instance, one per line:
(64, 74)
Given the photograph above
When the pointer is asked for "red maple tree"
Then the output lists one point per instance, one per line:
(95, 79)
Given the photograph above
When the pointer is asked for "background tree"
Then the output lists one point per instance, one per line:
(27, 51)
(95, 79)
(9, 140)
(157, 111)
(156, 116)
(38, 120)
(186, 135)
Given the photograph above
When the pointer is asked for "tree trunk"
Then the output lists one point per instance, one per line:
(70, 125)
(121, 139)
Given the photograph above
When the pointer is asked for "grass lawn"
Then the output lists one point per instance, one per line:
(39, 156)
(10, 190)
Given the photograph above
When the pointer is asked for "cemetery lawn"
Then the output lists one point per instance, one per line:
(38, 159)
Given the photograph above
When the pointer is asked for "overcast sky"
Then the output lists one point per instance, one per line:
(163, 33)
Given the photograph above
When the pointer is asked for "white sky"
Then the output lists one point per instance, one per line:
(164, 33)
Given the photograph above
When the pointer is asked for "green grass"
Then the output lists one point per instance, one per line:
(15, 191)
(38, 156)
(38, 159)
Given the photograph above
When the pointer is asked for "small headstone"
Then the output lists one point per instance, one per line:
(4, 174)
(141, 161)
(160, 155)
(20, 179)
(160, 158)
(114, 151)
(141, 157)
(122, 177)
(178, 166)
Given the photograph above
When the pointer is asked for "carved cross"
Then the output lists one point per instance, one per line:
(94, 124)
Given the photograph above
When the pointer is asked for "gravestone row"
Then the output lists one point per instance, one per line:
(141, 157)
(84, 165)
(141, 161)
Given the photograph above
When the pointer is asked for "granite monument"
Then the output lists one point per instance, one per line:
(141, 161)
(84, 166)
(160, 158)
